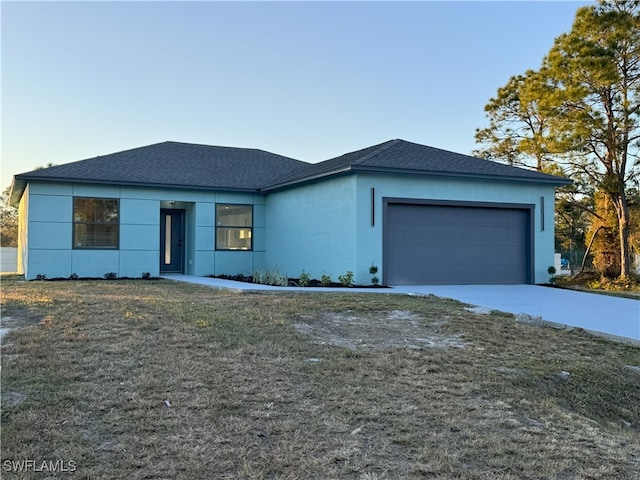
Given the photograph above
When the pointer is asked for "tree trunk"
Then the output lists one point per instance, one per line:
(622, 211)
(586, 253)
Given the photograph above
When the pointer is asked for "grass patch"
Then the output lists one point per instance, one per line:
(169, 380)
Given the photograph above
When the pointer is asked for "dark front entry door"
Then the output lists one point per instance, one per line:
(171, 241)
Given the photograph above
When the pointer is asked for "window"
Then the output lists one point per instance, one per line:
(234, 227)
(95, 223)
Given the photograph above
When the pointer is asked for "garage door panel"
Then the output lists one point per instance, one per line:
(436, 244)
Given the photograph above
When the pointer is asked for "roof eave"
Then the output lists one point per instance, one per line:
(309, 178)
(24, 179)
(16, 191)
(552, 180)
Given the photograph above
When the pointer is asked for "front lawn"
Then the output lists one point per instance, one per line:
(155, 379)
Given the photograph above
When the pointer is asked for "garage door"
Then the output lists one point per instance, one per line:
(437, 244)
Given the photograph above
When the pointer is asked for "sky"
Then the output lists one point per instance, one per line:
(308, 80)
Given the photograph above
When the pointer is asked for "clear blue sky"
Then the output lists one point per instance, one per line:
(310, 80)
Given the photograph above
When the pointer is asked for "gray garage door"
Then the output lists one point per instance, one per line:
(435, 244)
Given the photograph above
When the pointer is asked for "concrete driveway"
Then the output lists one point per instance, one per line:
(597, 313)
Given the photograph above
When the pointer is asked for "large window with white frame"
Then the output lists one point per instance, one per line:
(234, 227)
(96, 223)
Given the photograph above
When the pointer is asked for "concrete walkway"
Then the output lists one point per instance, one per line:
(619, 317)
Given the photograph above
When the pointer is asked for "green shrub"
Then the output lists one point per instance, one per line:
(325, 280)
(270, 277)
(347, 279)
(373, 269)
(304, 279)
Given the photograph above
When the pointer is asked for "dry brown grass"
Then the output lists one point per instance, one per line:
(88, 366)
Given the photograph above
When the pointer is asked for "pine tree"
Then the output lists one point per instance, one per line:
(580, 109)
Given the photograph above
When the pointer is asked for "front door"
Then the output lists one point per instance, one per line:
(171, 241)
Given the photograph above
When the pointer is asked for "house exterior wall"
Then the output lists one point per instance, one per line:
(46, 233)
(326, 227)
(369, 237)
(313, 227)
(23, 231)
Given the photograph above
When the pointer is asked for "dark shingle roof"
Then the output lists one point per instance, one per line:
(186, 165)
(175, 164)
(400, 156)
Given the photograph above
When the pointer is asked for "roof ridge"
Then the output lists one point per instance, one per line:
(383, 147)
(206, 145)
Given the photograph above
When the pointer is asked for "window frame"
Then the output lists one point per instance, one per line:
(74, 223)
(233, 227)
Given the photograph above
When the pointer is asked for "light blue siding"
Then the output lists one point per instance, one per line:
(230, 197)
(95, 263)
(471, 190)
(313, 228)
(326, 227)
(139, 212)
(232, 263)
(259, 240)
(321, 227)
(167, 194)
(45, 188)
(259, 216)
(51, 208)
(133, 263)
(139, 237)
(259, 261)
(203, 262)
(48, 227)
(204, 239)
(205, 214)
(51, 263)
(50, 236)
(92, 190)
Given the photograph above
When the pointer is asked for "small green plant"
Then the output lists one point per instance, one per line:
(41, 276)
(73, 276)
(146, 276)
(325, 280)
(304, 279)
(552, 271)
(258, 276)
(373, 269)
(347, 279)
(270, 277)
(110, 276)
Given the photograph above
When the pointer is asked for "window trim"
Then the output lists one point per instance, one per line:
(74, 223)
(233, 227)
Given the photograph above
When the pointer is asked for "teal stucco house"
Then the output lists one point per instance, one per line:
(421, 214)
